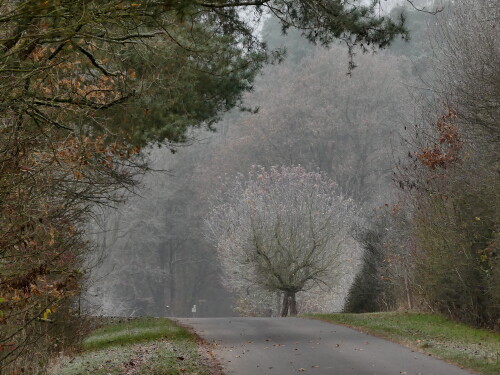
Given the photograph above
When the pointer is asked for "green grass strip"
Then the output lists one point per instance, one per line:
(134, 331)
(146, 346)
(457, 343)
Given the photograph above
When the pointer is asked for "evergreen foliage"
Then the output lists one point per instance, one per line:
(366, 293)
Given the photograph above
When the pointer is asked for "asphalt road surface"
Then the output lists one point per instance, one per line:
(286, 346)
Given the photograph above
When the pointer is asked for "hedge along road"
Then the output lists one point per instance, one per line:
(284, 346)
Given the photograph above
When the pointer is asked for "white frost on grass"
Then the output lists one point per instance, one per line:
(128, 333)
(115, 360)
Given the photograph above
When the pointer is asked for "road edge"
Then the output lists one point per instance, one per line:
(406, 344)
(205, 349)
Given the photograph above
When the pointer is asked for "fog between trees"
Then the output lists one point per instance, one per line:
(90, 93)
(410, 135)
(310, 112)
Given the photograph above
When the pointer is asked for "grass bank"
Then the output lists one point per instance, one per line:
(143, 346)
(460, 344)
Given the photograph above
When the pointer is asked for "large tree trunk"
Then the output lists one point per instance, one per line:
(278, 304)
(293, 304)
(284, 310)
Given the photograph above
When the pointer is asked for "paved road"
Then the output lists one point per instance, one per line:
(287, 346)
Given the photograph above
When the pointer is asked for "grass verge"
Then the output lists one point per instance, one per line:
(472, 348)
(144, 346)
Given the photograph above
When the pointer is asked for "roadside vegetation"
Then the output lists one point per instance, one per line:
(143, 346)
(87, 89)
(436, 248)
(457, 343)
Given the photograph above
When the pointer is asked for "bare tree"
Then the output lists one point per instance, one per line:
(451, 176)
(280, 229)
(465, 50)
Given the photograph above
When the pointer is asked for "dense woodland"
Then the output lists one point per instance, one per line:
(309, 111)
(124, 126)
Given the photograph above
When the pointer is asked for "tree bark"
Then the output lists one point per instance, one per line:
(293, 304)
(284, 310)
(278, 304)
(408, 295)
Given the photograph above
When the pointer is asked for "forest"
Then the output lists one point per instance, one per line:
(232, 158)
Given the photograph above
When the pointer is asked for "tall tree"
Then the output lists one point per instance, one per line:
(280, 229)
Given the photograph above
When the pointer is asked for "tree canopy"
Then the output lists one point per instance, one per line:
(60, 59)
(280, 229)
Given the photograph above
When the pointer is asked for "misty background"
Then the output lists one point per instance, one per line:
(308, 110)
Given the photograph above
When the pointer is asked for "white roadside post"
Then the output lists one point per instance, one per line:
(193, 310)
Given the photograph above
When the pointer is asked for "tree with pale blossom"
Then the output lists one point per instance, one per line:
(280, 229)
